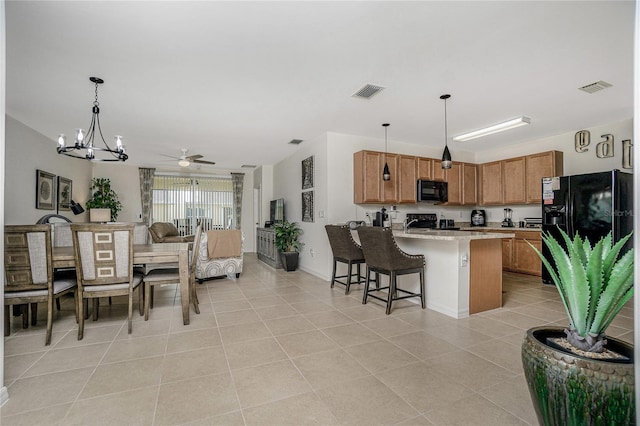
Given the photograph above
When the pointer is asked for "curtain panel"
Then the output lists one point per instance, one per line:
(146, 193)
(238, 184)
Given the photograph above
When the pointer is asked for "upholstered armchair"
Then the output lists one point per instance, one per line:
(165, 232)
(228, 263)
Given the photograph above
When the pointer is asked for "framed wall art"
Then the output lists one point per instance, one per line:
(307, 173)
(307, 206)
(64, 193)
(45, 190)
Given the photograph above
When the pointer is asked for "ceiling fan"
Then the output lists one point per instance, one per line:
(185, 160)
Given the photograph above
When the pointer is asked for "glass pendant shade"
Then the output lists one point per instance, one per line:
(386, 175)
(446, 158)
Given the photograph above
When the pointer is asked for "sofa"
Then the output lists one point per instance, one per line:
(207, 267)
(165, 232)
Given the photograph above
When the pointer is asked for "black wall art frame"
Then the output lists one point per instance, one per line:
(45, 190)
(307, 206)
(64, 193)
(307, 173)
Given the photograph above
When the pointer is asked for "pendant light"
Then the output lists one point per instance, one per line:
(386, 175)
(446, 155)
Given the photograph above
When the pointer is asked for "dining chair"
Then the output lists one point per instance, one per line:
(104, 265)
(29, 276)
(383, 256)
(172, 276)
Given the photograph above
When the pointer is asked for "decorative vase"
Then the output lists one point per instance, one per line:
(289, 260)
(569, 389)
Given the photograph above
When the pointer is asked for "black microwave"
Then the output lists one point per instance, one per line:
(432, 190)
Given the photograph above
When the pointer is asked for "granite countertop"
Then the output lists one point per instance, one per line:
(428, 234)
(498, 228)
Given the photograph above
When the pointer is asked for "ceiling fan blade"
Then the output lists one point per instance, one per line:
(193, 157)
(170, 156)
(203, 162)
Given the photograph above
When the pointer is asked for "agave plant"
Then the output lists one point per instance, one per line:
(593, 282)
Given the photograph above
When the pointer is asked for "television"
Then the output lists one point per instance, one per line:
(277, 211)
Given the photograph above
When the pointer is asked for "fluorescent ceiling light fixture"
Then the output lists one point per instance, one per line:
(500, 127)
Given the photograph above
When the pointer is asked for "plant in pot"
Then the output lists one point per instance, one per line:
(287, 243)
(576, 376)
(103, 204)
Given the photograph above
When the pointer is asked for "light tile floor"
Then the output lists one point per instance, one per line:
(278, 348)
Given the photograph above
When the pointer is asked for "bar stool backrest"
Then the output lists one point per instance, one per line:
(342, 243)
(382, 252)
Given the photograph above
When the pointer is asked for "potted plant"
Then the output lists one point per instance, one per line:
(103, 197)
(287, 243)
(577, 376)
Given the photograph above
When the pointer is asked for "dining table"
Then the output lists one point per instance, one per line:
(146, 254)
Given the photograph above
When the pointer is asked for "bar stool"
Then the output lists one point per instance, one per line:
(345, 250)
(383, 256)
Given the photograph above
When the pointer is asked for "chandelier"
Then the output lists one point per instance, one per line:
(84, 147)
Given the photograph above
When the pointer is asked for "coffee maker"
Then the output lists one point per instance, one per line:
(507, 222)
(381, 218)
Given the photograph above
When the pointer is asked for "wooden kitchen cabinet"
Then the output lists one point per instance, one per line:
(507, 254)
(407, 179)
(453, 177)
(525, 259)
(469, 184)
(425, 168)
(544, 164)
(367, 177)
(438, 172)
(491, 183)
(368, 186)
(390, 187)
(514, 181)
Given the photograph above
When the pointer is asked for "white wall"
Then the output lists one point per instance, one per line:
(125, 181)
(287, 184)
(25, 151)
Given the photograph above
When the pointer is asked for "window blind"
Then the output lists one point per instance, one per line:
(186, 201)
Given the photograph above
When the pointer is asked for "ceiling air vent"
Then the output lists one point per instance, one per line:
(367, 91)
(595, 87)
(295, 141)
(248, 166)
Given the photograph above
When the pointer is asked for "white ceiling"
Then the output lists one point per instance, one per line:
(235, 81)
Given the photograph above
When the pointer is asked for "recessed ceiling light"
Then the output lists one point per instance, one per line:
(500, 127)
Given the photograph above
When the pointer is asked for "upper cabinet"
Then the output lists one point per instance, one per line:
(544, 164)
(469, 184)
(491, 183)
(513, 184)
(511, 181)
(367, 178)
(518, 180)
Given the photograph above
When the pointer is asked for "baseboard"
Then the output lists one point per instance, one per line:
(4, 395)
(447, 311)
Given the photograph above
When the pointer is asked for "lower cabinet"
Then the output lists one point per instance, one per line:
(517, 254)
(266, 247)
(525, 259)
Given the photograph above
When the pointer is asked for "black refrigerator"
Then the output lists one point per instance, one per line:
(591, 205)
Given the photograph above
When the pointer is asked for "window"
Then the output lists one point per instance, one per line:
(186, 201)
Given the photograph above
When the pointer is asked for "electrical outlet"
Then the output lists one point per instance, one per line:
(464, 260)
(312, 252)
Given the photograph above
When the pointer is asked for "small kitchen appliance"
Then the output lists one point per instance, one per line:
(448, 224)
(478, 218)
(434, 191)
(422, 220)
(381, 218)
(507, 222)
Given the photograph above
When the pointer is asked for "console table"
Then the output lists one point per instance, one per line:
(266, 247)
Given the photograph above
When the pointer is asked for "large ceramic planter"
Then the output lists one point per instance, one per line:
(569, 389)
(289, 260)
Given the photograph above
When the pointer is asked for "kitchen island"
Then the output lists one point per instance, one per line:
(463, 273)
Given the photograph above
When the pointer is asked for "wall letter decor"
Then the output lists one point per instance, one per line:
(604, 149)
(582, 140)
